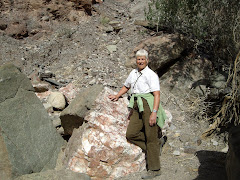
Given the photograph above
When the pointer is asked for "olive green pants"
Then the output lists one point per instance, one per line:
(139, 132)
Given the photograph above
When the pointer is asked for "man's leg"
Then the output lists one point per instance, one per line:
(152, 141)
(134, 130)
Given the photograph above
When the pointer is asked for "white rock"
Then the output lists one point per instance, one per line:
(57, 100)
(112, 48)
(168, 123)
(176, 153)
(225, 150)
(215, 143)
(60, 130)
(92, 82)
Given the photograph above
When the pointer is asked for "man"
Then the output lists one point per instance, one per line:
(147, 113)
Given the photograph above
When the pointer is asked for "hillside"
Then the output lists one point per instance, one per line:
(87, 43)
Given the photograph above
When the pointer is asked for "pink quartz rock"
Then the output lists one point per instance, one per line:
(69, 92)
(99, 148)
(44, 95)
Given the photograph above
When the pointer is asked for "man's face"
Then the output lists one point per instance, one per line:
(142, 62)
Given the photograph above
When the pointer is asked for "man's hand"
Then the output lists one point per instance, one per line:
(113, 97)
(120, 93)
(153, 119)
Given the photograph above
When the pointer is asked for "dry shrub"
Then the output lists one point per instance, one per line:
(228, 114)
(196, 105)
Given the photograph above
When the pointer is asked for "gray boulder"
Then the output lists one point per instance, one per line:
(73, 116)
(5, 165)
(188, 75)
(64, 174)
(31, 142)
(11, 80)
(163, 50)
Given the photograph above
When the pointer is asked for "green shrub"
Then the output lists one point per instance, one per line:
(214, 25)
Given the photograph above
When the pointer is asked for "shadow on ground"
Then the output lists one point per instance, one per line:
(212, 165)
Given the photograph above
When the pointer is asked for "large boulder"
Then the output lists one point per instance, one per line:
(5, 165)
(99, 148)
(192, 73)
(233, 155)
(31, 143)
(11, 80)
(73, 116)
(163, 50)
(63, 174)
(195, 74)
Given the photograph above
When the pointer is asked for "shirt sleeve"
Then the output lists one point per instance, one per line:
(154, 83)
(127, 83)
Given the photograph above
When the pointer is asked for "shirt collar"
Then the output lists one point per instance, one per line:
(142, 71)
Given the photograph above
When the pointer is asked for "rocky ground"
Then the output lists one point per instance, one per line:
(93, 50)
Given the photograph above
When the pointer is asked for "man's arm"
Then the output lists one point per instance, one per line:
(153, 116)
(122, 91)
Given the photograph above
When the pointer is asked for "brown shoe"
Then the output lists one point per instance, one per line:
(151, 174)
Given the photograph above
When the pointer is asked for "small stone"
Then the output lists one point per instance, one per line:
(215, 143)
(60, 130)
(92, 82)
(41, 87)
(198, 141)
(45, 18)
(225, 150)
(114, 22)
(46, 74)
(189, 150)
(176, 134)
(176, 153)
(108, 29)
(57, 100)
(112, 48)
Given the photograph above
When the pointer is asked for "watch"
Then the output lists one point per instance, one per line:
(154, 110)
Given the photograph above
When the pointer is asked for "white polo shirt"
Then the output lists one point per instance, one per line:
(145, 81)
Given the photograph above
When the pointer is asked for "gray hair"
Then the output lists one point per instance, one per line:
(142, 52)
